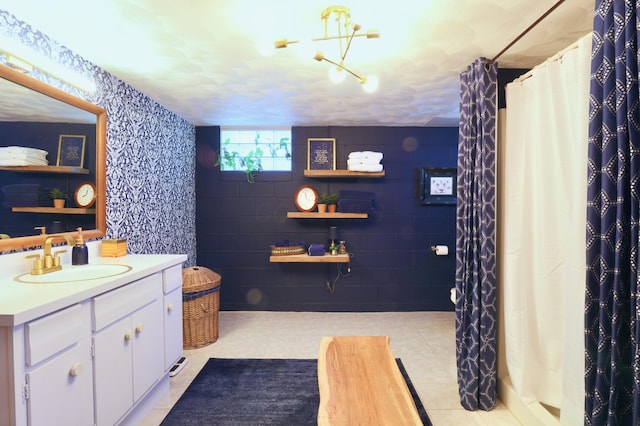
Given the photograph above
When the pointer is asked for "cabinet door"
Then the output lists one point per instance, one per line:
(61, 389)
(147, 347)
(113, 369)
(172, 327)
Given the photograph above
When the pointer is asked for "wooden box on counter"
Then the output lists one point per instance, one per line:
(113, 248)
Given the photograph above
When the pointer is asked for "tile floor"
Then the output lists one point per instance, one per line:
(425, 341)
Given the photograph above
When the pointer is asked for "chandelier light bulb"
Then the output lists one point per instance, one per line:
(336, 74)
(370, 83)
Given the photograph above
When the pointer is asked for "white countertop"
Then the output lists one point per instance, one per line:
(22, 302)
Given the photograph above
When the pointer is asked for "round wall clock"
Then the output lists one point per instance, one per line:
(85, 195)
(306, 198)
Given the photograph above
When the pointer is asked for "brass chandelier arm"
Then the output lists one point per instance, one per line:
(336, 37)
(279, 44)
(320, 57)
(282, 43)
(353, 34)
(351, 30)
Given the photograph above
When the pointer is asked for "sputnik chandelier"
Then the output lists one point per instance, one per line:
(345, 32)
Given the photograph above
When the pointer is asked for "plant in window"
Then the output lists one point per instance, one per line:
(251, 163)
(283, 145)
(254, 150)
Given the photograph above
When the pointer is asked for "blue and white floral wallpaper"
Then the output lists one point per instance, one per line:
(150, 154)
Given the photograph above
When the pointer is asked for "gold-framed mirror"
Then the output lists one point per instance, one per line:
(52, 99)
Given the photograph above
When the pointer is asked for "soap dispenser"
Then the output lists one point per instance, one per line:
(80, 252)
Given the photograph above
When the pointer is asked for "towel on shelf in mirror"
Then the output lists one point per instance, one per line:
(22, 156)
(21, 188)
(25, 195)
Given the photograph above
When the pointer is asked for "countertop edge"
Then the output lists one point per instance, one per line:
(142, 265)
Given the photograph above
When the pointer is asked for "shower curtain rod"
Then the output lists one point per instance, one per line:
(522, 34)
(557, 57)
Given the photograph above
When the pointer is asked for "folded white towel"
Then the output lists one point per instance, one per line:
(21, 156)
(19, 150)
(366, 161)
(368, 155)
(22, 162)
(27, 158)
(365, 167)
(372, 155)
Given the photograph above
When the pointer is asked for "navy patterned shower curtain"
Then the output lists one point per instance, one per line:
(612, 360)
(475, 237)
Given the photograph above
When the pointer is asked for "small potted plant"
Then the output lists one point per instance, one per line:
(59, 197)
(332, 203)
(327, 202)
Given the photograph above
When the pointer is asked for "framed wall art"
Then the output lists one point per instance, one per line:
(438, 186)
(71, 150)
(321, 154)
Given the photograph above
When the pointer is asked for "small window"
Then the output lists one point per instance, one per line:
(255, 149)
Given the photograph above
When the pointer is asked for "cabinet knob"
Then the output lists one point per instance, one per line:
(76, 369)
(170, 307)
(139, 328)
(128, 335)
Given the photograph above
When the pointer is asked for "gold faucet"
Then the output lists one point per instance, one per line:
(49, 262)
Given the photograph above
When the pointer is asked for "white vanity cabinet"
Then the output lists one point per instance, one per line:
(58, 385)
(172, 289)
(129, 346)
(90, 353)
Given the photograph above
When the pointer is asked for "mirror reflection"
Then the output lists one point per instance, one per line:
(48, 140)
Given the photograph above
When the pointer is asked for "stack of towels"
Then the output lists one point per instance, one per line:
(25, 195)
(364, 161)
(21, 156)
(351, 201)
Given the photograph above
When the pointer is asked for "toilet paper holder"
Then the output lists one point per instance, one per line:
(440, 250)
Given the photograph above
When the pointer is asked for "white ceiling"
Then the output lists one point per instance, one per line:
(201, 60)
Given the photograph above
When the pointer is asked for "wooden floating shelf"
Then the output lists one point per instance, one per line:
(66, 210)
(316, 215)
(305, 258)
(341, 174)
(47, 169)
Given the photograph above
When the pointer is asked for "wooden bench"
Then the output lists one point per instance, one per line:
(360, 384)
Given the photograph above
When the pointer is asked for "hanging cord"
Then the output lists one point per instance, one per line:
(522, 34)
(331, 285)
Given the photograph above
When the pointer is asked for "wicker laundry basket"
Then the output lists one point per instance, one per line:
(200, 306)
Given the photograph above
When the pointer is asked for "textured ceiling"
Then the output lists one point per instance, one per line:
(201, 59)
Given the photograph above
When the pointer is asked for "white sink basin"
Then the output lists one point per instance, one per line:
(75, 273)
